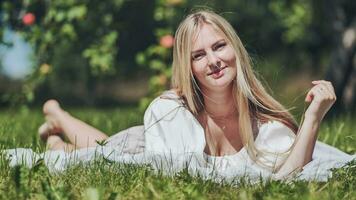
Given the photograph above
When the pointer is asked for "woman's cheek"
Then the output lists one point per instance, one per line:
(227, 55)
(197, 69)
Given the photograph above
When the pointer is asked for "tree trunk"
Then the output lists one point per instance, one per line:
(342, 68)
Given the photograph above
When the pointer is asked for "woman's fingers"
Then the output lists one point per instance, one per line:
(327, 89)
(309, 96)
(324, 86)
(322, 90)
(327, 83)
(321, 96)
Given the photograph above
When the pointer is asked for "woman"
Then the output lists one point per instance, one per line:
(216, 107)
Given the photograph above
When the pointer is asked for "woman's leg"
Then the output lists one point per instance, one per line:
(54, 142)
(79, 134)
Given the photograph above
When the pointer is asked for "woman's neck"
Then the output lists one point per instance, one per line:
(219, 104)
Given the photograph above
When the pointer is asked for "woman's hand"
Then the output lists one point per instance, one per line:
(322, 97)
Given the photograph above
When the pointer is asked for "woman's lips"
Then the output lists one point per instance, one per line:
(217, 71)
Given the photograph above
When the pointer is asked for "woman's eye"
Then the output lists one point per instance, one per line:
(219, 46)
(197, 56)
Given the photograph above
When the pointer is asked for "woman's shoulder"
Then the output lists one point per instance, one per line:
(273, 127)
(169, 100)
(168, 96)
(274, 135)
(171, 94)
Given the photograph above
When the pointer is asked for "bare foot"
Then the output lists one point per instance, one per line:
(52, 112)
(55, 142)
(52, 108)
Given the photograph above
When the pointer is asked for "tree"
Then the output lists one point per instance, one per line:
(342, 68)
(78, 42)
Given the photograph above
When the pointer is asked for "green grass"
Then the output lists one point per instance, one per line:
(105, 180)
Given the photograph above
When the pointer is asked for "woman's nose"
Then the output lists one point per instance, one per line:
(213, 61)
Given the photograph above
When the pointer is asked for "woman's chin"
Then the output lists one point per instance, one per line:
(220, 84)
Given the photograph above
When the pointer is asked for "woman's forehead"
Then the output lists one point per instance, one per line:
(206, 35)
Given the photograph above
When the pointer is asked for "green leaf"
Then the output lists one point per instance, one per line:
(156, 64)
(59, 16)
(77, 12)
(141, 58)
(68, 30)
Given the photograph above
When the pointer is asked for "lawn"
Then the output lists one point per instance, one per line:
(105, 180)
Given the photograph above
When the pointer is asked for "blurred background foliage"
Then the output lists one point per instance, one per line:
(90, 52)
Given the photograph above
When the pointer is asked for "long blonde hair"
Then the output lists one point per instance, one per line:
(251, 99)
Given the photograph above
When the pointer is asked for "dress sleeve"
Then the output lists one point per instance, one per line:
(277, 138)
(274, 140)
(171, 128)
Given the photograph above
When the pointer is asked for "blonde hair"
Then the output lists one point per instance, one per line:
(251, 99)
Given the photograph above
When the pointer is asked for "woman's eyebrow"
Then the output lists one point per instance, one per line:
(197, 51)
(218, 42)
(213, 45)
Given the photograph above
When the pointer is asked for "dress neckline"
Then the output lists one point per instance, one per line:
(172, 92)
(224, 156)
(213, 156)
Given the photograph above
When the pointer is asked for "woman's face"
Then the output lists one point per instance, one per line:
(213, 60)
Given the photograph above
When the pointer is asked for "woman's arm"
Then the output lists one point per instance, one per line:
(321, 96)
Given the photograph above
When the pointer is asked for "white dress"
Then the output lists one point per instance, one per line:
(172, 139)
